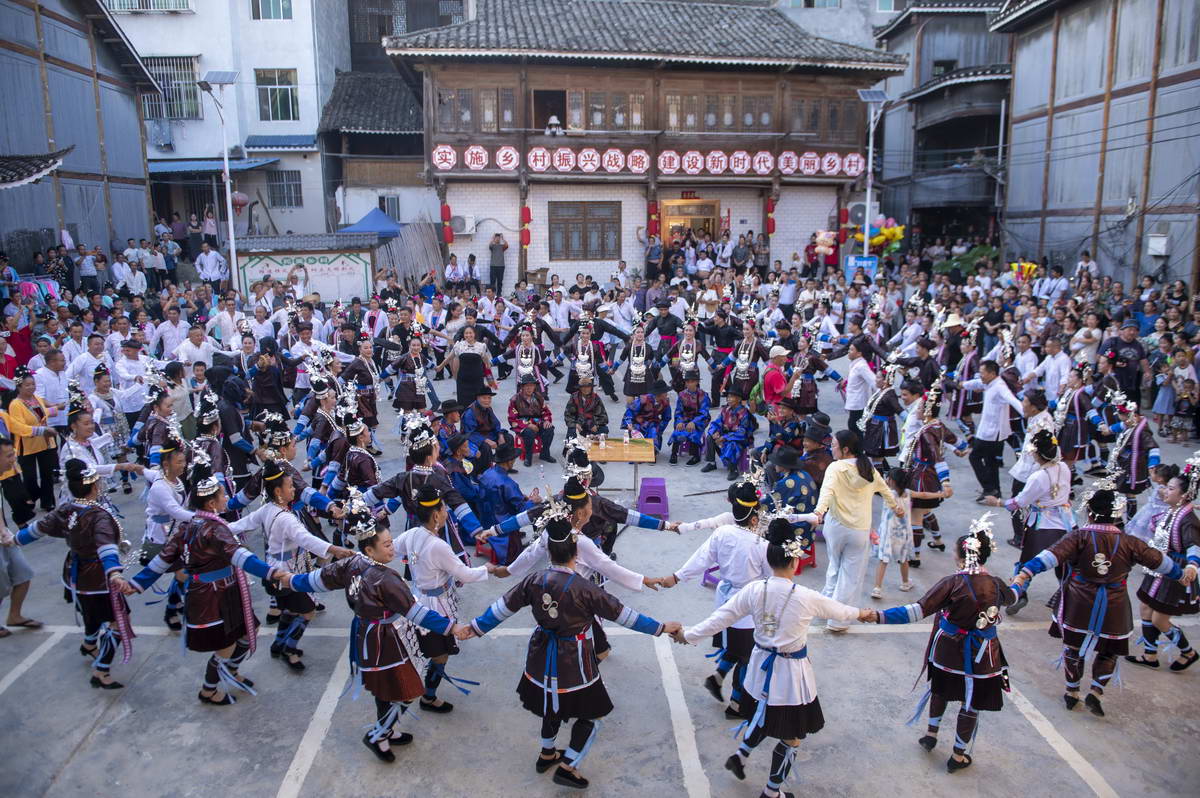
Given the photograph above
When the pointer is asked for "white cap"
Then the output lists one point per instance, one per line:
(779, 351)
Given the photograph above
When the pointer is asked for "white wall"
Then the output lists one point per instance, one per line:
(495, 207)
(417, 203)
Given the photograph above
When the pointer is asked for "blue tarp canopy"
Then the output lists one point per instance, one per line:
(376, 221)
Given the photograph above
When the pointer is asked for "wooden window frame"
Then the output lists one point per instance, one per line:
(566, 217)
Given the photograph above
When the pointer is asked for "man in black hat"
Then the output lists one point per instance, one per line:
(446, 426)
(787, 430)
(585, 414)
(816, 456)
(668, 326)
(692, 417)
(648, 415)
(456, 457)
(529, 417)
(730, 433)
(480, 424)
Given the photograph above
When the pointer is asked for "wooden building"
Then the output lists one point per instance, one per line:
(1103, 149)
(71, 86)
(605, 118)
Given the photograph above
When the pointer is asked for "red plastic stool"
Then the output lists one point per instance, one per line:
(809, 560)
(519, 442)
(484, 549)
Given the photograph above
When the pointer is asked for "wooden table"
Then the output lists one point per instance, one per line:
(637, 451)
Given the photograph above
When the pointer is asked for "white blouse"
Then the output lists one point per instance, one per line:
(739, 554)
(794, 607)
(590, 559)
(435, 569)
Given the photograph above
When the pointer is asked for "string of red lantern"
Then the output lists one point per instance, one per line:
(447, 230)
(526, 218)
(652, 224)
(770, 216)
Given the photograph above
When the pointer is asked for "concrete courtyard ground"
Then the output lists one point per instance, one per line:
(300, 736)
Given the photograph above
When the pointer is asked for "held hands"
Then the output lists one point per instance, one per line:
(282, 577)
(874, 538)
(675, 630)
(484, 534)
(672, 526)
(1189, 575)
(462, 632)
(867, 615)
(337, 511)
(337, 552)
(121, 586)
(1021, 579)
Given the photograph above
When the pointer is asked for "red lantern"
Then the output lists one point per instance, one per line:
(842, 235)
(770, 225)
(239, 201)
(843, 215)
(652, 208)
(526, 214)
(445, 213)
(448, 234)
(770, 205)
(525, 236)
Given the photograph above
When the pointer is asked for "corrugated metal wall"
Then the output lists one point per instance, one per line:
(962, 39)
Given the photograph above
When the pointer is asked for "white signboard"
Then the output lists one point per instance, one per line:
(333, 275)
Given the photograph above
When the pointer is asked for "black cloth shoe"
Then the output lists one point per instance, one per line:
(713, 685)
(403, 738)
(915, 562)
(272, 620)
(708, 467)
(546, 457)
(695, 459)
(543, 764)
(1092, 702)
(105, 685)
(1018, 605)
(953, 764)
(674, 458)
(383, 756)
(733, 473)
(295, 664)
(568, 779)
(734, 765)
(928, 742)
(1141, 660)
(1187, 663)
(733, 714)
(512, 470)
(440, 709)
(936, 545)
(1070, 700)
(208, 699)
(127, 488)
(529, 458)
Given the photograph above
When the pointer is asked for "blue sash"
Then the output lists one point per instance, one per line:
(768, 666)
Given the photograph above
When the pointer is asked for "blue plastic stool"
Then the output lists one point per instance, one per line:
(652, 498)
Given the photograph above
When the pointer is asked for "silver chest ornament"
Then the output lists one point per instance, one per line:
(583, 361)
(687, 357)
(742, 367)
(549, 605)
(987, 617)
(1101, 563)
(420, 381)
(524, 362)
(637, 365)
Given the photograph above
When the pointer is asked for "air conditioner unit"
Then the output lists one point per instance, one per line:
(462, 225)
(858, 212)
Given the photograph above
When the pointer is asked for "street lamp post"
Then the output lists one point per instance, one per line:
(224, 79)
(874, 98)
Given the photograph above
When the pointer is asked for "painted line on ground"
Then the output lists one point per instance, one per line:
(694, 779)
(318, 727)
(30, 660)
(1064, 749)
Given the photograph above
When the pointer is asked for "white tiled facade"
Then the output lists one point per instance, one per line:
(496, 208)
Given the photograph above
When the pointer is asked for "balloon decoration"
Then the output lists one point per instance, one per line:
(447, 231)
(885, 236)
(1023, 270)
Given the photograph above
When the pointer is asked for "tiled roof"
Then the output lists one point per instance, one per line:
(307, 243)
(174, 167)
(17, 170)
(936, 7)
(300, 142)
(370, 102)
(678, 31)
(974, 74)
(1015, 10)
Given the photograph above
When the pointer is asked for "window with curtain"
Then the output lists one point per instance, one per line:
(447, 119)
(508, 108)
(729, 119)
(619, 105)
(637, 112)
(597, 110)
(271, 9)
(673, 112)
(691, 113)
(278, 95)
(575, 119)
(465, 110)
(712, 111)
(487, 111)
(584, 230)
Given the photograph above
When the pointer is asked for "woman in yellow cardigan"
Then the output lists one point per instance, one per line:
(36, 442)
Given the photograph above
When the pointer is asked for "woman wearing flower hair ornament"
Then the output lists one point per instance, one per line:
(1092, 612)
(561, 679)
(1177, 535)
(382, 640)
(217, 611)
(1046, 500)
(1133, 453)
(780, 686)
(963, 657)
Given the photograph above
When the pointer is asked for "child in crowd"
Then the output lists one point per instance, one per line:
(1142, 524)
(1164, 400)
(1185, 408)
(894, 540)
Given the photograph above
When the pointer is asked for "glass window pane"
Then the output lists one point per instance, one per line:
(508, 108)
(691, 112)
(446, 119)
(597, 110)
(487, 110)
(637, 112)
(712, 111)
(465, 107)
(729, 111)
(673, 112)
(620, 111)
(575, 110)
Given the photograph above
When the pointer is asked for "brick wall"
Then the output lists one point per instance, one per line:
(801, 210)
(632, 197)
(496, 208)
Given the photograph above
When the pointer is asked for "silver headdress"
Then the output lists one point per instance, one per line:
(204, 482)
(1191, 475)
(1105, 483)
(555, 510)
(1122, 403)
(416, 431)
(756, 477)
(974, 544)
(360, 521)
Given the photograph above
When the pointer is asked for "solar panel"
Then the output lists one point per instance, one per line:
(218, 77)
(872, 96)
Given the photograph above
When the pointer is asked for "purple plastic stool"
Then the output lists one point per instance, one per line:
(652, 498)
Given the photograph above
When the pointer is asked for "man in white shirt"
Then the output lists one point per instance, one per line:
(1086, 266)
(211, 267)
(1053, 369)
(120, 334)
(51, 384)
(74, 345)
(132, 253)
(622, 278)
(560, 312)
(725, 252)
(1050, 289)
(135, 281)
(770, 315)
(860, 384)
(225, 323)
(170, 333)
(130, 378)
(119, 273)
(82, 368)
(704, 264)
(196, 349)
(987, 447)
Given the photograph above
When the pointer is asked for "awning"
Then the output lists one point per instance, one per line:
(281, 142)
(207, 165)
